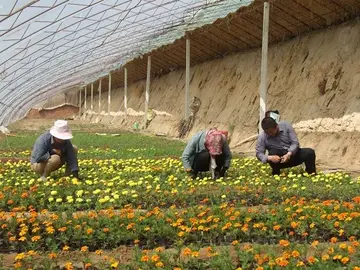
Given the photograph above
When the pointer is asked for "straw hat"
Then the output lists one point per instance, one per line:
(61, 130)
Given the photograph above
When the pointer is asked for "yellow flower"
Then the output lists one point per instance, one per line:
(115, 264)
(68, 266)
(159, 264)
(19, 256)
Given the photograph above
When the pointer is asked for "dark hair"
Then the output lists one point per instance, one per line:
(268, 123)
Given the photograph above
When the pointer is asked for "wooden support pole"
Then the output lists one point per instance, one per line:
(264, 58)
(125, 91)
(147, 93)
(80, 102)
(92, 98)
(109, 94)
(187, 83)
(85, 100)
(100, 97)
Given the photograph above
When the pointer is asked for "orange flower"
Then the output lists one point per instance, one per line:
(66, 248)
(295, 254)
(17, 264)
(345, 260)
(356, 199)
(325, 257)
(52, 255)
(155, 258)
(187, 251)
(351, 250)
(284, 243)
(159, 249)
(88, 265)
(294, 224)
(234, 243)
(84, 249)
(276, 227)
(89, 231)
(281, 261)
(35, 238)
(315, 243)
(333, 240)
(145, 258)
(62, 229)
(98, 252)
(105, 230)
(311, 260)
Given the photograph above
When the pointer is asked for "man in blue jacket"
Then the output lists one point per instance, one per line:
(208, 150)
(53, 149)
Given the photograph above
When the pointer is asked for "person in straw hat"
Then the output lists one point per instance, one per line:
(208, 150)
(53, 149)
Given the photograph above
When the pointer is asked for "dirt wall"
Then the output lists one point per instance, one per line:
(61, 112)
(313, 80)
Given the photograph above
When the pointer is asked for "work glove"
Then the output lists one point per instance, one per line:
(190, 173)
(76, 174)
(223, 171)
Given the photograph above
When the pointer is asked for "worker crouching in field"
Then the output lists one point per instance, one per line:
(207, 151)
(53, 149)
(281, 142)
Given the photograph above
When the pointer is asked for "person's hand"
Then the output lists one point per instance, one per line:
(57, 151)
(274, 159)
(188, 172)
(286, 158)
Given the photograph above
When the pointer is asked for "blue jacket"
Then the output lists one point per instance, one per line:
(43, 149)
(197, 145)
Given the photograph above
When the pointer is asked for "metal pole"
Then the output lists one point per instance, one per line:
(85, 100)
(187, 86)
(100, 97)
(125, 91)
(264, 56)
(109, 94)
(80, 102)
(147, 94)
(92, 98)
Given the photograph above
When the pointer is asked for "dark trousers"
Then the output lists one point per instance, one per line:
(202, 164)
(306, 155)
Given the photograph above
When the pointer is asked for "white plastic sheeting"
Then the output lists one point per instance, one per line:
(50, 46)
